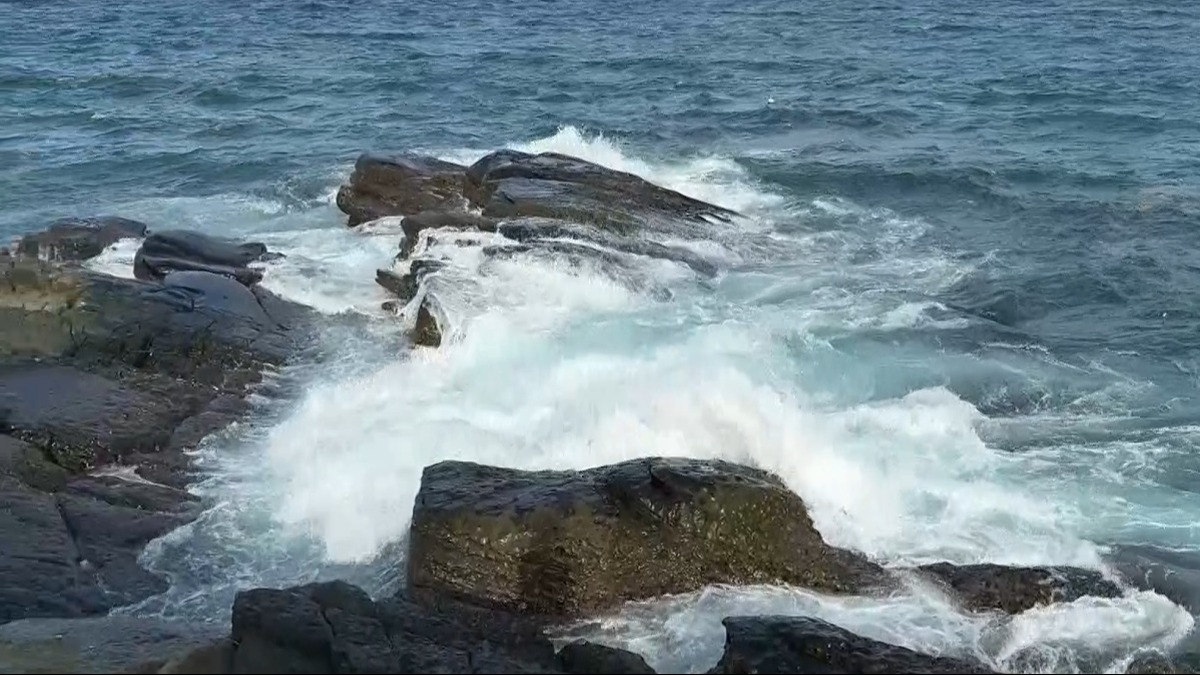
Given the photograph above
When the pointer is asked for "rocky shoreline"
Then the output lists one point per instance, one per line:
(106, 384)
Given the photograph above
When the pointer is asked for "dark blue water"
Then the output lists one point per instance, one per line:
(961, 318)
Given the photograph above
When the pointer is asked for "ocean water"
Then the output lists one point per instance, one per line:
(959, 317)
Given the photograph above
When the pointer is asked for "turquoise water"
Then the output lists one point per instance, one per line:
(959, 317)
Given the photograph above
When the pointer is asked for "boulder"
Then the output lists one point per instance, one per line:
(184, 250)
(426, 332)
(586, 657)
(111, 644)
(511, 184)
(400, 185)
(987, 587)
(77, 239)
(799, 644)
(569, 543)
(334, 627)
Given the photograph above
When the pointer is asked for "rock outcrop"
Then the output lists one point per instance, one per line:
(400, 185)
(1012, 590)
(183, 250)
(334, 627)
(104, 382)
(795, 644)
(548, 203)
(568, 543)
(75, 239)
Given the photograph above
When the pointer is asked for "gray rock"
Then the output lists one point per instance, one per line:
(185, 250)
(795, 644)
(71, 556)
(77, 239)
(988, 587)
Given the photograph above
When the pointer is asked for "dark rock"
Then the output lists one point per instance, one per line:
(83, 420)
(585, 657)
(29, 465)
(184, 250)
(794, 644)
(75, 239)
(110, 644)
(405, 285)
(509, 184)
(215, 657)
(1156, 662)
(197, 326)
(96, 371)
(70, 556)
(568, 543)
(401, 185)
(414, 224)
(131, 492)
(1174, 574)
(426, 332)
(335, 628)
(988, 587)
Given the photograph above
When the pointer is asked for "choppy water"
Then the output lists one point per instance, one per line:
(960, 317)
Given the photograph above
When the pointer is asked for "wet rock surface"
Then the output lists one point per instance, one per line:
(75, 239)
(1015, 589)
(334, 627)
(542, 204)
(99, 645)
(567, 543)
(183, 250)
(788, 644)
(400, 185)
(105, 382)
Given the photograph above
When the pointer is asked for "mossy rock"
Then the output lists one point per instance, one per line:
(570, 543)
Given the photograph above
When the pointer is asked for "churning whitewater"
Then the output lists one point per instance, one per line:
(807, 355)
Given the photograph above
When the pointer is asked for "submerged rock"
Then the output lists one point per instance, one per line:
(568, 543)
(799, 644)
(76, 239)
(184, 250)
(987, 587)
(401, 185)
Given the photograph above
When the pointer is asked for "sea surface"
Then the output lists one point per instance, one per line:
(961, 315)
